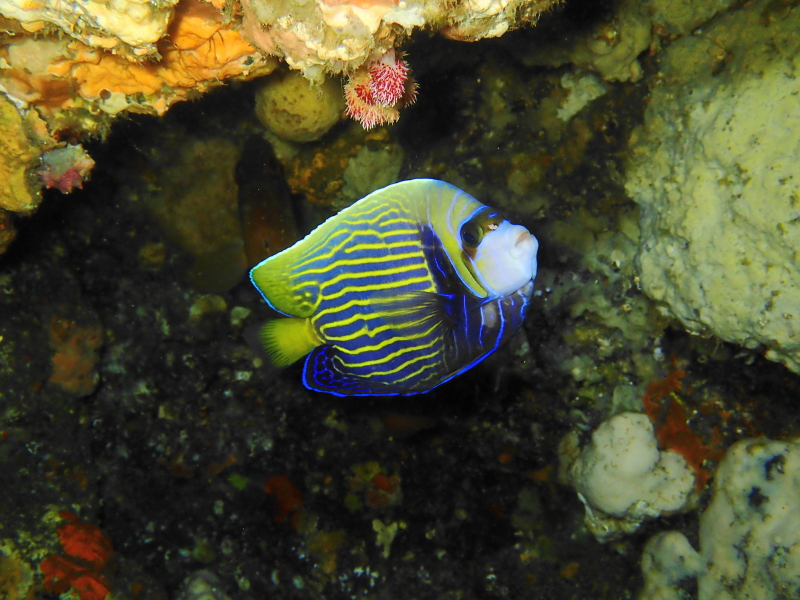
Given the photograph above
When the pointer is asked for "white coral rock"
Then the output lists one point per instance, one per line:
(622, 477)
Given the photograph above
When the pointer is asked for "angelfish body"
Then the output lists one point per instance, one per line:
(398, 293)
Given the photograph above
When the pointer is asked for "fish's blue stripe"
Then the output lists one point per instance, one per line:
(499, 339)
(359, 276)
(407, 352)
(320, 258)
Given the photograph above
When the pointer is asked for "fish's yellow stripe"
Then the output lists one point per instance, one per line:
(391, 245)
(364, 261)
(360, 317)
(356, 302)
(311, 257)
(325, 240)
(319, 285)
(345, 307)
(383, 344)
(403, 366)
(384, 285)
(385, 206)
(389, 222)
(299, 285)
(348, 233)
(379, 219)
(417, 372)
(321, 243)
(374, 213)
(395, 354)
(371, 333)
(364, 274)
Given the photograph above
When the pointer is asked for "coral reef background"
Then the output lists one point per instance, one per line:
(147, 451)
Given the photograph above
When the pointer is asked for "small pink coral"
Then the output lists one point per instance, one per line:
(387, 79)
(65, 168)
(375, 91)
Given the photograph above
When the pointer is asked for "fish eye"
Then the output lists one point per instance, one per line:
(471, 234)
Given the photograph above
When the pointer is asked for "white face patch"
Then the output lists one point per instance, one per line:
(505, 259)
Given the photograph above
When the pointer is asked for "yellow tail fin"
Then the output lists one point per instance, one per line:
(288, 340)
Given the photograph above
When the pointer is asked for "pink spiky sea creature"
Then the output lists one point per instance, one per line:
(376, 91)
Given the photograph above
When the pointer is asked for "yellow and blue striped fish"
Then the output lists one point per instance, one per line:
(398, 293)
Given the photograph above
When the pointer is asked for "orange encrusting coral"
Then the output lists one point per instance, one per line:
(672, 429)
(202, 48)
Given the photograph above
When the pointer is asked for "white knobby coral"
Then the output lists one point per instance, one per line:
(622, 478)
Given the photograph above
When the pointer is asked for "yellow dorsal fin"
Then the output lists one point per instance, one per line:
(288, 340)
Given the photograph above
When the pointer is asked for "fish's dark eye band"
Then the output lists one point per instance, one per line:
(471, 234)
(486, 220)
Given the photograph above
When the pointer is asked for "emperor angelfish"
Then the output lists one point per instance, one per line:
(405, 289)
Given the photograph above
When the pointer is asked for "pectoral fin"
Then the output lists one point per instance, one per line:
(417, 307)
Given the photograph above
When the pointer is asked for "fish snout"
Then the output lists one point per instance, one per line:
(524, 246)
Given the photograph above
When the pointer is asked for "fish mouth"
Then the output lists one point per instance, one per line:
(522, 237)
(523, 245)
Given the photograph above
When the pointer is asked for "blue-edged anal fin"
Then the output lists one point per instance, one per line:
(426, 313)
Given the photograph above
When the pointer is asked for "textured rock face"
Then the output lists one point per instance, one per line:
(715, 174)
(333, 36)
(126, 25)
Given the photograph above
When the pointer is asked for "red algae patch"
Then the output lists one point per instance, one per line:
(84, 541)
(670, 420)
(289, 498)
(87, 552)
